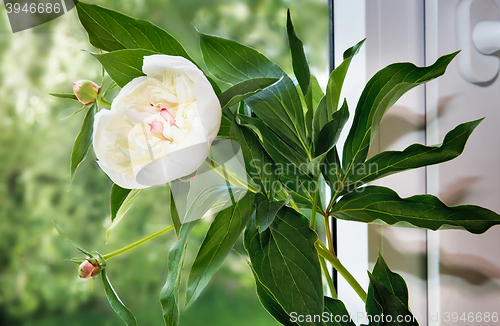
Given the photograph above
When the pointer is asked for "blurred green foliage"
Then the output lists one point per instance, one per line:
(37, 287)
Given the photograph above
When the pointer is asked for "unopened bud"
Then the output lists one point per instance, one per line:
(89, 269)
(86, 91)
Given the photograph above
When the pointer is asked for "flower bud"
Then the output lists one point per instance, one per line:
(86, 91)
(89, 269)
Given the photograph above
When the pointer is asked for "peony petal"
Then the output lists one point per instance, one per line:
(178, 164)
(208, 107)
(122, 180)
(155, 66)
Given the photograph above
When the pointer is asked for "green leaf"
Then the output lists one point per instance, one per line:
(414, 156)
(278, 106)
(123, 65)
(225, 128)
(65, 95)
(380, 93)
(120, 202)
(313, 97)
(226, 228)
(338, 314)
(337, 77)
(115, 302)
(83, 140)
(169, 295)
(286, 262)
(380, 204)
(259, 166)
(270, 303)
(320, 119)
(111, 31)
(332, 170)
(243, 90)
(330, 133)
(388, 297)
(392, 281)
(299, 61)
(291, 166)
(279, 151)
(328, 138)
(174, 214)
(117, 197)
(265, 211)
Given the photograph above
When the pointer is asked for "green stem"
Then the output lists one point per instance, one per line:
(135, 244)
(328, 277)
(329, 235)
(325, 253)
(103, 103)
(315, 203)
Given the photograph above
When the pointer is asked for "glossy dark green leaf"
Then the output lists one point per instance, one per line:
(278, 106)
(259, 166)
(314, 97)
(120, 202)
(70, 96)
(388, 297)
(320, 119)
(328, 138)
(330, 133)
(239, 92)
(392, 281)
(300, 186)
(279, 151)
(332, 170)
(291, 166)
(226, 228)
(117, 197)
(380, 93)
(169, 295)
(381, 301)
(286, 262)
(379, 204)
(270, 303)
(412, 157)
(299, 61)
(337, 313)
(110, 31)
(115, 302)
(123, 65)
(83, 140)
(265, 211)
(337, 77)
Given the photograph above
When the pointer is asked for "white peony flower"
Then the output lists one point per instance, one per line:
(160, 126)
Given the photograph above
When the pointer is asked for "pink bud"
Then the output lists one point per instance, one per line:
(89, 269)
(86, 91)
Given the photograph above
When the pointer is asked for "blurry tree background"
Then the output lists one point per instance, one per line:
(37, 287)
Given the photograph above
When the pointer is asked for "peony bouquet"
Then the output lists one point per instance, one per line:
(257, 151)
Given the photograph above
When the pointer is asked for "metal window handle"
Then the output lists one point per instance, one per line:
(486, 36)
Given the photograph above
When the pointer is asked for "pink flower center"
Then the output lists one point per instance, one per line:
(168, 116)
(157, 130)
